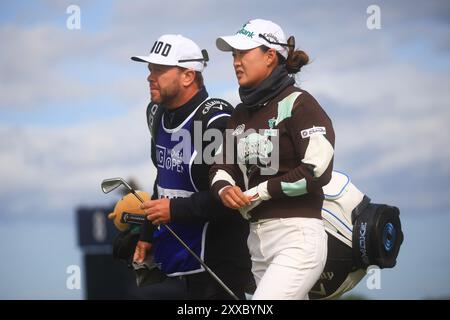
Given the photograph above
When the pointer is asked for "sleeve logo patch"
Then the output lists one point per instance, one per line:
(312, 131)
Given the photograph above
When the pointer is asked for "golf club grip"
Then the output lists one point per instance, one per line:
(137, 195)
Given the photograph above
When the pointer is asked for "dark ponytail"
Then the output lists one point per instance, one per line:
(296, 58)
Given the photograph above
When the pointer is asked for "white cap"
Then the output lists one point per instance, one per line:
(253, 34)
(175, 50)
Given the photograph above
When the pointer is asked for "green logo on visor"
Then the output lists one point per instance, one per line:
(246, 32)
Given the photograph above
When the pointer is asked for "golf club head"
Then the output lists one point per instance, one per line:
(109, 185)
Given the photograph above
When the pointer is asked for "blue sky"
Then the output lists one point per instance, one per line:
(72, 107)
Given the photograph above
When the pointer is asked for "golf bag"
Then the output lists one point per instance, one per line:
(360, 234)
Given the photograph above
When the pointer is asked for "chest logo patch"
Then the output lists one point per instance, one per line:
(239, 130)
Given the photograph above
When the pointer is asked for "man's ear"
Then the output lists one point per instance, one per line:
(188, 77)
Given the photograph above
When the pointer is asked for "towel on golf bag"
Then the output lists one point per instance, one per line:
(147, 272)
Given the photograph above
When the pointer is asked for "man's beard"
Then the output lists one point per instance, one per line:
(167, 95)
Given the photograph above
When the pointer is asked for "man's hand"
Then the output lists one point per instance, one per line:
(158, 211)
(233, 197)
(141, 251)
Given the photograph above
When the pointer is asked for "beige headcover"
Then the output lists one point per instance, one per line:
(128, 204)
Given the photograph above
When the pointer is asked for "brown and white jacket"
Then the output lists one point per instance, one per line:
(287, 155)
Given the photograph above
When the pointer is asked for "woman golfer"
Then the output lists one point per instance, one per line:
(277, 156)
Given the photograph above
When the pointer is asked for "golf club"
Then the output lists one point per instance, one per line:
(109, 185)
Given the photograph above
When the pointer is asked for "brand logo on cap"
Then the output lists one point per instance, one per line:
(271, 36)
(245, 32)
(158, 45)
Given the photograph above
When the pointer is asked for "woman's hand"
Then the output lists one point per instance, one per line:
(233, 197)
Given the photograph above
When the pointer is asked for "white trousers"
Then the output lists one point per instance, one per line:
(288, 257)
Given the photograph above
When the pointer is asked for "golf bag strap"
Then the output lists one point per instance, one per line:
(154, 114)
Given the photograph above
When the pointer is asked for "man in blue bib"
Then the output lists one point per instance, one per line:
(179, 112)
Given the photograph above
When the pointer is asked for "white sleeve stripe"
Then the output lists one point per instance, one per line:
(318, 154)
(217, 117)
(223, 175)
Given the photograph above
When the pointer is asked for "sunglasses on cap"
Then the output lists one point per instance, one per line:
(204, 54)
(290, 42)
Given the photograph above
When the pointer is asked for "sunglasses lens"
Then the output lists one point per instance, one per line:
(205, 55)
(291, 42)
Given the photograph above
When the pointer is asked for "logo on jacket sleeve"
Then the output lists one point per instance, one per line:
(312, 131)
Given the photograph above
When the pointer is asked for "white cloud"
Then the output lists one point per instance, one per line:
(53, 170)
(400, 111)
(45, 66)
(30, 67)
(382, 88)
(381, 105)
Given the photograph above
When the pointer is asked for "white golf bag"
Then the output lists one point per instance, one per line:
(360, 234)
